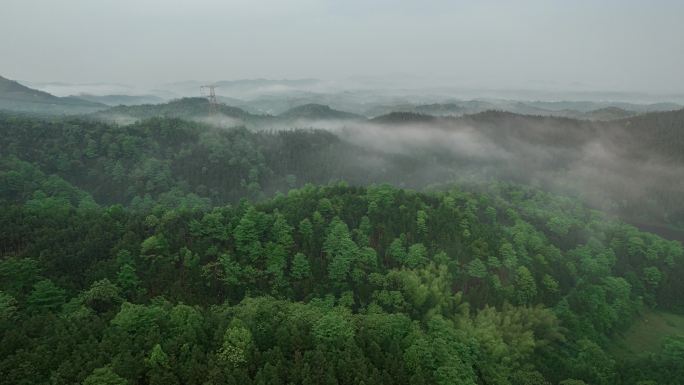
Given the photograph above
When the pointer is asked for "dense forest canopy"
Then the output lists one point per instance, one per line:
(500, 285)
(174, 247)
(298, 192)
(632, 168)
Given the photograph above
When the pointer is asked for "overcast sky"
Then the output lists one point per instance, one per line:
(615, 45)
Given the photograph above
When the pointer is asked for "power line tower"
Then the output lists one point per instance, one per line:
(209, 91)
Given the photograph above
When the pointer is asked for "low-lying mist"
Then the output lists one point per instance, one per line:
(601, 163)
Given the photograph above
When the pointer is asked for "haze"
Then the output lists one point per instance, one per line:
(580, 45)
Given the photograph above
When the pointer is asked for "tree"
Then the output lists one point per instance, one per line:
(237, 342)
(17, 275)
(101, 295)
(104, 376)
(128, 280)
(46, 296)
(652, 276)
(247, 235)
(416, 256)
(231, 271)
(508, 256)
(8, 306)
(158, 358)
(397, 250)
(333, 329)
(526, 288)
(421, 222)
(477, 269)
(159, 367)
(281, 232)
(154, 246)
(276, 259)
(306, 231)
(300, 267)
(341, 250)
(592, 364)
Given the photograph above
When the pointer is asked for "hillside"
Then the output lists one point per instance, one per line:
(404, 118)
(599, 162)
(196, 254)
(372, 285)
(126, 100)
(185, 108)
(17, 97)
(597, 111)
(659, 132)
(317, 112)
(649, 333)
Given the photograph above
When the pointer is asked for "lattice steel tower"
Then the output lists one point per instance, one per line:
(209, 91)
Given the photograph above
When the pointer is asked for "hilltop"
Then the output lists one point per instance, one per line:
(185, 108)
(313, 111)
(17, 97)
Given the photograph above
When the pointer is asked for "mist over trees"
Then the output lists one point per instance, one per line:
(631, 167)
(173, 244)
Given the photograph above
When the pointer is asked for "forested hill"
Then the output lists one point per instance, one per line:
(317, 112)
(186, 108)
(199, 109)
(661, 133)
(164, 160)
(617, 167)
(17, 97)
(335, 285)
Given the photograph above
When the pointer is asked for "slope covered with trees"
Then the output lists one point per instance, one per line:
(632, 168)
(334, 285)
(17, 97)
(159, 160)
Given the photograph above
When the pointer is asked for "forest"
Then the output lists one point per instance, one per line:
(171, 251)
(321, 192)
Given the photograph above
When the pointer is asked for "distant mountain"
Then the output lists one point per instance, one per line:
(17, 97)
(404, 118)
(441, 109)
(268, 83)
(179, 108)
(609, 113)
(576, 110)
(119, 100)
(317, 112)
(588, 106)
(661, 133)
(247, 88)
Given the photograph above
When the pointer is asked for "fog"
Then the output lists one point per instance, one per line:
(574, 46)
(600, 163)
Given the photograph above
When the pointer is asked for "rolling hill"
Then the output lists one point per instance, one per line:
(186, 108)
(118, 99)
(17, 97)
(317, 112)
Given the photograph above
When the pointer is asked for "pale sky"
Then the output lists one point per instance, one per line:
(615, 45)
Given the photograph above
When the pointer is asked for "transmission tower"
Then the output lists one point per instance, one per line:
(209, 91)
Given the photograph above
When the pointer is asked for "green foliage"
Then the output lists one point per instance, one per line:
(236, 344)
(331, 284)
(526, 288)
(101, 295)
(158, 358)
(104, 376)
(8, 307)
(333, 329)
(46, 296)
(416, 256)
(300, 267)
(341, 250)
(477, 269)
